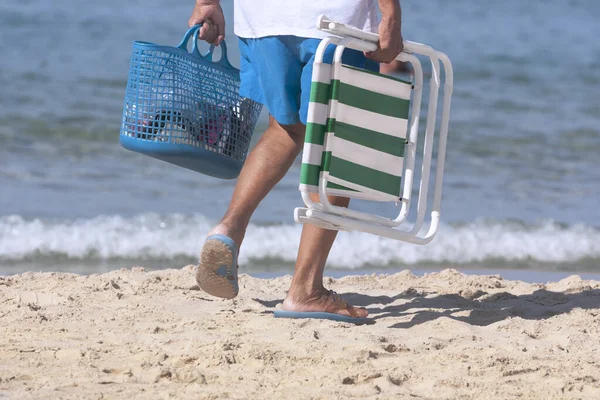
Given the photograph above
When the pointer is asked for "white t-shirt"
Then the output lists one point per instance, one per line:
(259, 18)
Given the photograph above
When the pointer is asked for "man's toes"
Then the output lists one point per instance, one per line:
(353, 312)
(360, 312)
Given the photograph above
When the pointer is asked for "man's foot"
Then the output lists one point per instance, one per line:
(217, 272)
(327, 301)
(236, 234)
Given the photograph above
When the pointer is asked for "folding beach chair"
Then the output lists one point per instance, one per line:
(361, 139)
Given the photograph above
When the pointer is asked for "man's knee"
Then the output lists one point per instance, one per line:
(295, 131)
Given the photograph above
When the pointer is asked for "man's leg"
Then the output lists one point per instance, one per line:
(307, 292)
(266, 164)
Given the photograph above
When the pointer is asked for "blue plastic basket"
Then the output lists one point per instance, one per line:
(184, 108)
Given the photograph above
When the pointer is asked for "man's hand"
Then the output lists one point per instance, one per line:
(210, 14)
(390, 34)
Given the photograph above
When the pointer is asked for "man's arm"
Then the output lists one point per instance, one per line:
(390, 32)
(210, 14)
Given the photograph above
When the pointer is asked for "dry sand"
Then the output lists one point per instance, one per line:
(150, 335)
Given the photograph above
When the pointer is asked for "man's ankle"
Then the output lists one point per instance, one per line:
(235, 232)
(303, 293)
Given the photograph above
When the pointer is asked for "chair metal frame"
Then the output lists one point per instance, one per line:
(329, 216)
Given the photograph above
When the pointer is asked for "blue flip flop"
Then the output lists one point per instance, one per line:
(217, 272)
(322, 315)
(319, 315)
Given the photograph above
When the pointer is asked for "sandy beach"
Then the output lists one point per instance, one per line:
(138, 334)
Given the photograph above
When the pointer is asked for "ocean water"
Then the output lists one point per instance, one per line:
(522, 170)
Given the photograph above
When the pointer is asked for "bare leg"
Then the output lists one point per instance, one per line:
(266, 165)
(307, 292)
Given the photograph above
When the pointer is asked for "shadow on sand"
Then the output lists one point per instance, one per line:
(479, 308)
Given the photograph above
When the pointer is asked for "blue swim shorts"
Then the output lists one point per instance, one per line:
(276, 71)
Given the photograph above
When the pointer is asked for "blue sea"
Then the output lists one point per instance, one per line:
(522, 170)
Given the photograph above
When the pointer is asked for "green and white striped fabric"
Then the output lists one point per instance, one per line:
(356, 133)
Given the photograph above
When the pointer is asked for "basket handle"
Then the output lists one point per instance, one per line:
(224, 61)
(194, 32)
(186, 38)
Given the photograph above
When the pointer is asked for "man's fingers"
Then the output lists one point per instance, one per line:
(381, 56)
(218, 29)
(213, 23)
(219, 20)
(373, 55)
(208, 32)
(386, 55)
